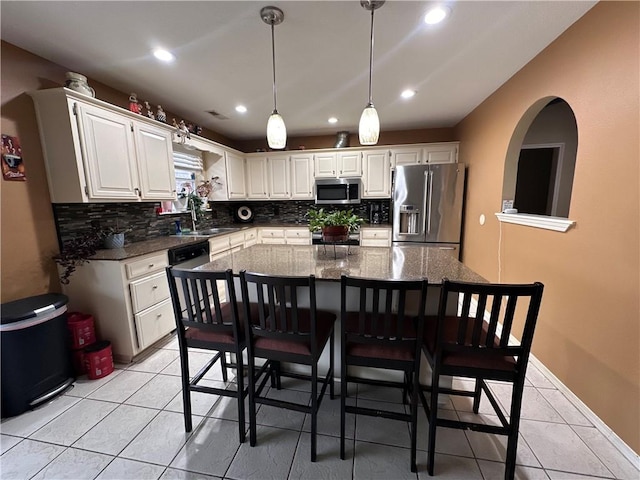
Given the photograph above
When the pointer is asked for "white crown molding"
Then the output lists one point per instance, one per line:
(557, 224)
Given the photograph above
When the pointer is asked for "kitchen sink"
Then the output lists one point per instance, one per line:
(209, 231)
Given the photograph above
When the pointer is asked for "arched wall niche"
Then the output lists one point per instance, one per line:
(548, 128)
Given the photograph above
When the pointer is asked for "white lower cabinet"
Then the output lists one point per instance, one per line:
(250, 237)
(129, 301)
(375, 237)
(273, 236)
(297, 236)
(154, 323)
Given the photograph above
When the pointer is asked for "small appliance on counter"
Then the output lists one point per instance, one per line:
(375, 214)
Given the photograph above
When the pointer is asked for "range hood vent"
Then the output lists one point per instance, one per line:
(217, 115)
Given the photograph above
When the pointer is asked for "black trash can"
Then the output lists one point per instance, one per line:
(35, 355)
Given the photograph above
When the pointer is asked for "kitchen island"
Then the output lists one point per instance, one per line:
(397, 262)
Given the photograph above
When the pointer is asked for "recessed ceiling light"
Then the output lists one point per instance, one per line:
(333, 120)
(163, 55)
(241, 109)
(436, 15)
(408, 93)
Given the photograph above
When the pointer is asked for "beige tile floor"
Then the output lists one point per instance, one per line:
(129, 425)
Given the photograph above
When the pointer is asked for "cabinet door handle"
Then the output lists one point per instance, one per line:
(158, 315)
(154, 287)
(137, 192)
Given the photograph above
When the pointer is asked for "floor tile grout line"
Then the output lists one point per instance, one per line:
(596, 453)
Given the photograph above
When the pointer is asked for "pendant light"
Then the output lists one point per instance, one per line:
(276, 130)
(369, 128)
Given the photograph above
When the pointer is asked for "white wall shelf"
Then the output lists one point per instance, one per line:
(557, 224)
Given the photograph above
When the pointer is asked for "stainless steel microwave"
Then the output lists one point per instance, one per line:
(338, 190)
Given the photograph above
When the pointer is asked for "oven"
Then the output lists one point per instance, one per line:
(189, 256)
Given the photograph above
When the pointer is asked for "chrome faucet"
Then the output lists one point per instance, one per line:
(194, 217)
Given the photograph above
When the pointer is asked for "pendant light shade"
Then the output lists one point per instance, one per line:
(276, 130)
(369, 128)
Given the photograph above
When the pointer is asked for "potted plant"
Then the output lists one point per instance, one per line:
(77, 251)
(113, 238)
(335, 225)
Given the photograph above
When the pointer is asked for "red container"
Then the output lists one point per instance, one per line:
(98, 360)
(81, 329)
(79, 367)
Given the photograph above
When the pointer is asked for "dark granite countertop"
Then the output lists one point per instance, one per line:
(158, 244)
(397, 262)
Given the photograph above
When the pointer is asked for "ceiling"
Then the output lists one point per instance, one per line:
(223, 56)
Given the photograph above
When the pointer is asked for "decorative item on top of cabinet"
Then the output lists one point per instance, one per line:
(79, 83)
(160, 115)
(134, 106)
(149, 111)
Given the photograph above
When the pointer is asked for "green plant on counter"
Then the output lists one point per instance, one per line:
(320, 218)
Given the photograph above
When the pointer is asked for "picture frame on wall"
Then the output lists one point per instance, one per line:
(12, 164)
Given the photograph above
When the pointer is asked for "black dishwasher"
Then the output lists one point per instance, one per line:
(189, 256)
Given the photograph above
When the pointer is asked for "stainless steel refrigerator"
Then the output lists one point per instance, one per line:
(427, 205)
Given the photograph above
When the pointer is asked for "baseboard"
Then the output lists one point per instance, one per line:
(602, 427)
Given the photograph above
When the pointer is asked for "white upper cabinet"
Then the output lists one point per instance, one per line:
(338, 164)
(424, 153)
(441, 153)
(302, 176)
(325, 165)
(349, 164)
(376, 181)
(95, 152)
(279, 177)
(236, 185)
(108, 151)
(257, 177)
(268, 177)
(157, 177)
(406, 156)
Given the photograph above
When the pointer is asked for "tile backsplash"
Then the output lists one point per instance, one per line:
(142, 222)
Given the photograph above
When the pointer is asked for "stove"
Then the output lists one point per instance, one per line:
(354, 239)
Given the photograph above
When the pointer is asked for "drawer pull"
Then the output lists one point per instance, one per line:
(154, 287)
(151, 265)
(158, 315)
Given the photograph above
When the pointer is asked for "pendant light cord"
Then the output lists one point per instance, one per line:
(273, 59)
(371, 58)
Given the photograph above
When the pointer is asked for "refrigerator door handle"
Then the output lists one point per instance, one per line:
(430, 198)
(425, 193)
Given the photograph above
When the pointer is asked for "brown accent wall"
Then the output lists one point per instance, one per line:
(588, 332)
(28, 231)
(425, 135)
